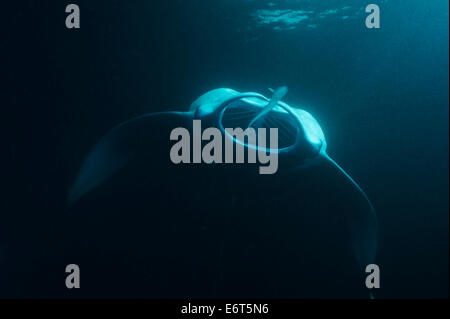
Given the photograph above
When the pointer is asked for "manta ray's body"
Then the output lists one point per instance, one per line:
(241, 225)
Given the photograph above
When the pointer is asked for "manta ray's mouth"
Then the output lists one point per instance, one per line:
(240, 113)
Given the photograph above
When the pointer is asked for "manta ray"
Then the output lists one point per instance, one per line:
(278, 94)
(302, 144)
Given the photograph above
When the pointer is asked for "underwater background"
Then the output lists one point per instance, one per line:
(381, 97)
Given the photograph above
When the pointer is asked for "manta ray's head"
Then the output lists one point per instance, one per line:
(300, 137)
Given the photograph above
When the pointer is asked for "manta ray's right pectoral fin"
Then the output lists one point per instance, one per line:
(115, 150)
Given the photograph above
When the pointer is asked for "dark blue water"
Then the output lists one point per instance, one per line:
(381, 96)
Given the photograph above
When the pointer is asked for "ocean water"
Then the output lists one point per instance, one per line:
(380, 95)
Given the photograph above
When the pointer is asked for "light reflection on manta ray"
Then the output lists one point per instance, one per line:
(301, 143)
